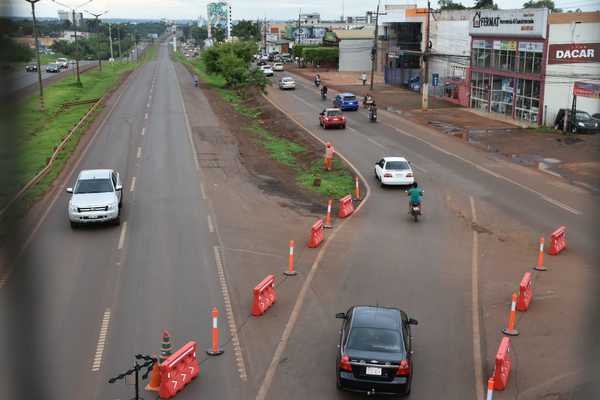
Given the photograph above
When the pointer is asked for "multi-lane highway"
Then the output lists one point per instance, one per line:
(99, 295)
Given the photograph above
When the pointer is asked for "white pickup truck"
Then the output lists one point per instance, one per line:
(62, 62)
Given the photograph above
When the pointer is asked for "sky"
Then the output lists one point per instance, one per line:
(241, 9)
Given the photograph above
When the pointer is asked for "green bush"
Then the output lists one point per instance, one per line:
(316, 55)
(232, 62)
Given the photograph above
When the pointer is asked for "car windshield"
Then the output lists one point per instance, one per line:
(334, 113)
(397, 165)
(52, 65)
(287, 80)
(583, 116)
(349, 98)
(375, 339)
(93, 186)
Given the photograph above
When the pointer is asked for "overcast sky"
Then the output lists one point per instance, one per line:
(241, 9)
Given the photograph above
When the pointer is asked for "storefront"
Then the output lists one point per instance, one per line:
(508, 62)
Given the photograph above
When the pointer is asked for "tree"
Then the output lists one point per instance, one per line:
(199, 34)
(246, 30)
(218, 34)
(486, 4)
(450, 5)
(549, 4)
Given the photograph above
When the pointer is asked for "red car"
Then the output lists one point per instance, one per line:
(332, 117)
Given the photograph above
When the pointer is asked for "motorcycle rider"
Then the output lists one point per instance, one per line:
(415, 193)
(324, 91)
(368, 100)
(373, 111)
(195, 79)
(317, 80)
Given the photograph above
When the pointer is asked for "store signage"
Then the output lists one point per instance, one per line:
(505, 45)
(532, 47)
(573, 53)
(527, 22)
(586, 89)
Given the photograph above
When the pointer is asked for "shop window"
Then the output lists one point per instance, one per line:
(502, 95)
(480, 90)
(482, 54)
(504, 54)
(530, 57)
(528, 100)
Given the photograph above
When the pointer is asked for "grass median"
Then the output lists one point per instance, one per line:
(40, 132)
(334, 184)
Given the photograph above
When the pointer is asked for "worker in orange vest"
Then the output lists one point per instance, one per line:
(329, 152)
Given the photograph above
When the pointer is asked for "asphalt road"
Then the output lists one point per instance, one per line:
(83, 302)
(424, 268)
(23, 79)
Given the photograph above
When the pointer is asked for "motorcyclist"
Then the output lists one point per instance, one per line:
(195, 79)
(317, 79)
(415, 193)
(324, 91)
(368, 100)
(373, 110)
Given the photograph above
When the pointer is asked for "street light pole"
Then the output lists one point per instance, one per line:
(37, 53)
(110, 41)
(97, 36)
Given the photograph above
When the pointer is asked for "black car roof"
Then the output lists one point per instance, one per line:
(377, 317)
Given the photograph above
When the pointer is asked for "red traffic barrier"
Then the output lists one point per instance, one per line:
(178, 370)
(525, 292)
(503, 365)
(558, 241)
(264, 296)
(346, 206)
(317, 234)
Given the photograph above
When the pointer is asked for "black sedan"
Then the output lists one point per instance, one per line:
(31, 68)
(55, 68)
(375, 355)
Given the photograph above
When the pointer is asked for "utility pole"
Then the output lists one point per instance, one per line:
(112, 56)
(97, 36)
(374, 49)
(425, 64)
(37, 53)
(265, 36)
(119, 36)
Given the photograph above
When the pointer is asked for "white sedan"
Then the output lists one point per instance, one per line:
(394, 171)
(278, 66)
(287, 82)
(267, 70)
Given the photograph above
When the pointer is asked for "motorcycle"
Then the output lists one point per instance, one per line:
(323, 95)
(415, 211)
(372, 115)
(317, 82)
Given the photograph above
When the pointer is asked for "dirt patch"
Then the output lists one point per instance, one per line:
(270, 175)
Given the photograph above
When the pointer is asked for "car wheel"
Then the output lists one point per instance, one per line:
(117, 220)
(344, 126)
(381, 183)
(74, 225)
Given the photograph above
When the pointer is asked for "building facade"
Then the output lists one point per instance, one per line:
(218, 15)
(508, 62)
(355, 48)
(573, 64)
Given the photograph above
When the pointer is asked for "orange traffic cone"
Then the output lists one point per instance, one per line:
(154, 384)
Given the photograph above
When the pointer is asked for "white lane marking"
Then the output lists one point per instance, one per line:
(4, 278)
(97, 363)
(202, 191)
(150, 98)
(189, 129)
(139, 152)
(211, 228)
(132, 187)
(146, 116)
(289, 327)
(490, 172)
(122, 237)
(477, 361)
(143, 132)
(147, 105)
(230, 317)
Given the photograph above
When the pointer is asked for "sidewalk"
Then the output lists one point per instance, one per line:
(575, 158)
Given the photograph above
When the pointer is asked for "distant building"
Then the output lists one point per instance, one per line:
(355, 49)
(218, 15)
(310, 19)
(68, 16)
(69, 36)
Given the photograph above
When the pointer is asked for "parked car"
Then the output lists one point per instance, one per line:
(62, 62)
(287, 82)
(54, 68)
(31, 68)
(375, 351)
(278, 66)
(96, 197)
(346, 102)
(332, 117)
(394, 171)
(267, 70)
(584, 123)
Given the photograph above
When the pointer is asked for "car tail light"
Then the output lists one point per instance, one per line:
(345, 364)
(387, 175)
(404, 369)
(409, 175)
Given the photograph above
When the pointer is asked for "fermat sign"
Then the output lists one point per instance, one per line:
(586, 89)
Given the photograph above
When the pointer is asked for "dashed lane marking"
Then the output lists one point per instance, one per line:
(139, 152)
(97, 363)
(146, 116)
(132, 187)
(122, 237)
(211, 227)
(143, 132)
(148, 105)
(235, 341)
(202, 192)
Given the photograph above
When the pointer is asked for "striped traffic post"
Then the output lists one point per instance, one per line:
(291, 271)
(215, 350)
(540, 266)
(328, 216)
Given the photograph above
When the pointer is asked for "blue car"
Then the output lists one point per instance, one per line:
(346, 102)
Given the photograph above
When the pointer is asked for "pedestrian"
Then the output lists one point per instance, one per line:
(363, 78)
